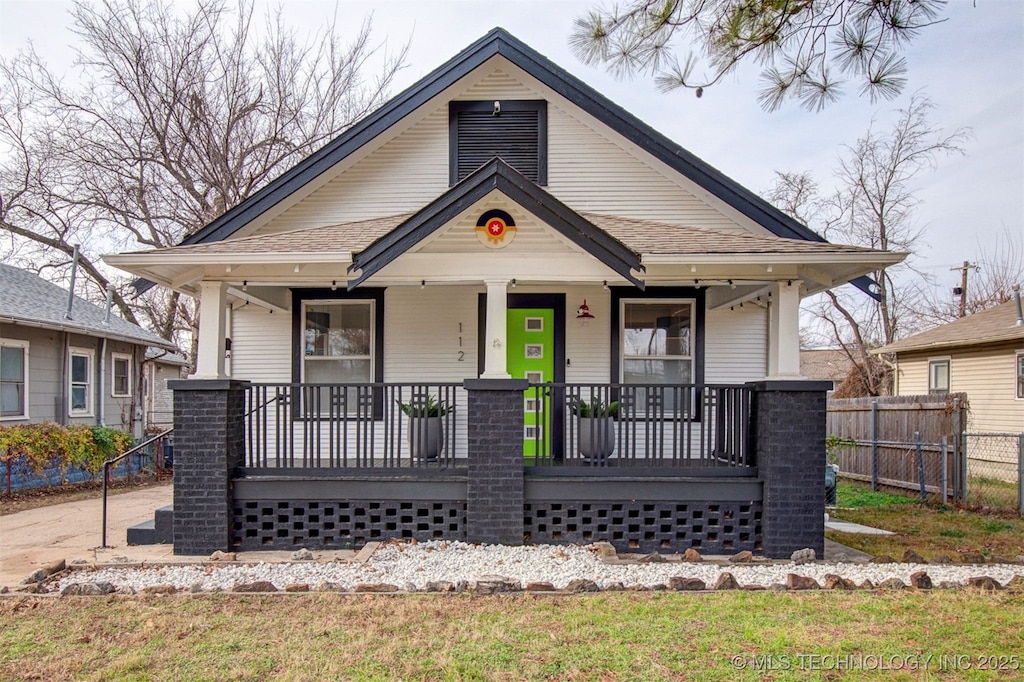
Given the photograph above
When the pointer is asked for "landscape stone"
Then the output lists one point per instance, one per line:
(615, 587)
(302, 554)
(686, 584)
(296, 587)
(882, 559)
(495, 584)
(801, 582)
(942, 559)
(692, 555)
(223, 556)
(744, 557)
(727, 581)
(540, 587)
(582, 585)
(159, 589)
(984, 582)
(55, 567)
(892, 584)
(912, 557)
(972, 557)
(921, 580)
(36, 576)
(377, 588)
(652, 558)
(440, 586)
(257, 586)
(86, 589)
(999, 559)
(803, 556)
(831, 581)
(327, 586)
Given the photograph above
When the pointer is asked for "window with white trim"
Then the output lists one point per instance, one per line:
(120, 375)
(657, 342)
(13, 379)
(80, 391)
(1020, 375)
(338, 346)
(938, 375)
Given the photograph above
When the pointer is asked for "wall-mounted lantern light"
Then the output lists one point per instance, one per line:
(583, 314)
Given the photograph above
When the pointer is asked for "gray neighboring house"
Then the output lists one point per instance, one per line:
(161, 367)
(82, 369)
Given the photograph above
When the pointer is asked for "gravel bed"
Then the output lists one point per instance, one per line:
(411, 567)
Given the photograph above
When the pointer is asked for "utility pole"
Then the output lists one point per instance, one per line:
(963, 285)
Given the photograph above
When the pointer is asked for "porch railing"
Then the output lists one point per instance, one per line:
(366, 425)
(639, 425)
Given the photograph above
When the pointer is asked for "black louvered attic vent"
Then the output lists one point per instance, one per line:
(517, 135)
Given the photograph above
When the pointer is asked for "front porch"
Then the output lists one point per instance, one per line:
(282, 466)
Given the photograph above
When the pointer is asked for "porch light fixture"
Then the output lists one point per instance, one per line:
(245, 285)
(732, 285)
(583, 314)
(513, 282)
(423, 284)
(606, 285)
(334, 285)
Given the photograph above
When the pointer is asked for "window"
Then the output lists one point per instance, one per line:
(80, 382)
(1020, 374)
(657, 348)
(13, 379)
(121, 375)
(514, 130)
(938, 376)
(338, 347)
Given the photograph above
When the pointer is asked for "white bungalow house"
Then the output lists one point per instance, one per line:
(500, 227)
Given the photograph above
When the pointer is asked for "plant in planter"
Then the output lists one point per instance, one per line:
(596, 427)
(426, 430)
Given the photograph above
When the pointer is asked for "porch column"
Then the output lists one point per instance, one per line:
(208, 446)
(784, 331)
(789, 427)
(494, 476)
(496, 331)
(212, 331)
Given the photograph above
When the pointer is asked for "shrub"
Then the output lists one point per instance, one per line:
(48, 443)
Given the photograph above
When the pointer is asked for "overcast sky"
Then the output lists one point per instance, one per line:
(971, 66)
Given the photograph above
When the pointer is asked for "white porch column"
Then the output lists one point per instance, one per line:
(496, 331)
(784, 331)
(212, 330)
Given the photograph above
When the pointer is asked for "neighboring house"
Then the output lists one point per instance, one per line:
(77, 368)
(500, 228)
(981, 355)
(825, 364)
(160, 367)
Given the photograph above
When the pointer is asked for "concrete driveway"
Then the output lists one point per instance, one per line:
(39, 537)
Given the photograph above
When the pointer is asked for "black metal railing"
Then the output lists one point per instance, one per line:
(156, 440)
(366, 425)
(639, 425)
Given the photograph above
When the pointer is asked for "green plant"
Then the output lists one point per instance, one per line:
(594, 408)
(432, 407)
(78, 445)
(832, 445)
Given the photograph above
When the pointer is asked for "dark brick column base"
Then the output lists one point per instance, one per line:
(494, 500)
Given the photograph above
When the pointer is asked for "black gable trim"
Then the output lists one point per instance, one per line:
(497, 175)
(499, 42)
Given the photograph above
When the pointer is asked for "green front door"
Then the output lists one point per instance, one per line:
(531, 356)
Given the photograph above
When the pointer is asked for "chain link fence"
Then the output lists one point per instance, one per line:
(994, 462)
(979, 470)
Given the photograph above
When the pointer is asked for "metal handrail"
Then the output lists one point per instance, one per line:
(115, 460)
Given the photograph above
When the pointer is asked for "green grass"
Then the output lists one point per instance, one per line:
(929, 529)
(608, 636)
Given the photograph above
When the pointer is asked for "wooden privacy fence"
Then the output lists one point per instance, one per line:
(911, 442)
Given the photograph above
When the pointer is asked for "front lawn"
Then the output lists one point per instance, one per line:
(928, 529)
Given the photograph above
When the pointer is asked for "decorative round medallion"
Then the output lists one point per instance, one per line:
(495, 229)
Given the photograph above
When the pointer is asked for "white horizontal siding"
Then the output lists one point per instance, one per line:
(736, 345)
(261, 345)
(590, 168)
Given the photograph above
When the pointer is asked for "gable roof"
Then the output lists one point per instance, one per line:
(31, 301)
(499, 42)
(998, 323)
(497, 175)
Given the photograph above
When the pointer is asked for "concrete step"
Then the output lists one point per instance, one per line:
(159, 531)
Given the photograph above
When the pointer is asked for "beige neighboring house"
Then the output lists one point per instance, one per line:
(981, 355)
(825, 364)
(160, 367)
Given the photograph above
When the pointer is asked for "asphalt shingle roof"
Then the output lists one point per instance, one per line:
(998, 323)
(26, 298)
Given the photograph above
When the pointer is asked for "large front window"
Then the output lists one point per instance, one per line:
(338, 348)
(13, 379)
(657, 348)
